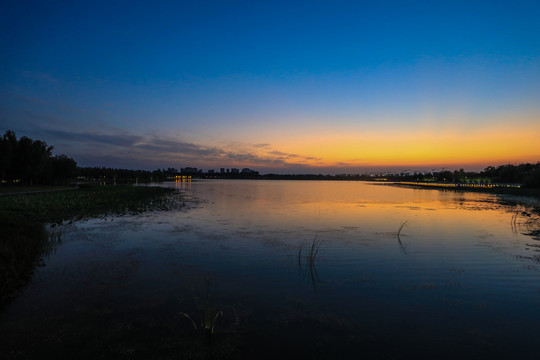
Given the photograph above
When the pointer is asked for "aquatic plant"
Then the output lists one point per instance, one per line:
(398, 235)
(530, 226)
(526, 221)
(208, 321)
(514, 222)
(209, 316)
(307, 257)
(90, 201)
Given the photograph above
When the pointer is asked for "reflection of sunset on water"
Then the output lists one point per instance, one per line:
(434, 266)
(365, 209)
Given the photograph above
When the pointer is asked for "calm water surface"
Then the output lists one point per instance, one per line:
(310, 269)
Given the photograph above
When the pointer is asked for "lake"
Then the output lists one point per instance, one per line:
(310, 269)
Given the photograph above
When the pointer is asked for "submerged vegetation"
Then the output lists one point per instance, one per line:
(88, 201)
(23, 219)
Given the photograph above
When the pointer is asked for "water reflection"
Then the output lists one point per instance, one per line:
(183, 185)
(469, 285)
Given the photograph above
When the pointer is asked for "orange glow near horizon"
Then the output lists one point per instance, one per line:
(491, 145)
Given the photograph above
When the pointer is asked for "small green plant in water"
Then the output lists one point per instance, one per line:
(401, 245)
(307, 256)
(208, 315)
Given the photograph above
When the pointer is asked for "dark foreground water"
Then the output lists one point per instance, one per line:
(281, 269)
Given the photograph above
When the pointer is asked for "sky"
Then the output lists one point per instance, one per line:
(275, 86)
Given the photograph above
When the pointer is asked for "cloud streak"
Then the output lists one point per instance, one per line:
(119, 139)
(120, 148)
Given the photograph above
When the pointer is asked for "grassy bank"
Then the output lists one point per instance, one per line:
(23, 217)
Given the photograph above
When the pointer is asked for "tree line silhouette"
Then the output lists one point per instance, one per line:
(31, 162)
(527, 175)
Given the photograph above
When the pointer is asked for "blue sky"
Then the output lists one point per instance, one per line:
(324, 86)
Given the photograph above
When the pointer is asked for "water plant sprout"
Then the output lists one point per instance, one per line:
(530, 225)
(311, 252)
(208, 315)
(398, 234)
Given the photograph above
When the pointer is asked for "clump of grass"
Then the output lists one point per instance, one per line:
(398, 235)
(307, 257)
(526, 222)
(208, 314)
(208, 322)
(514, 222)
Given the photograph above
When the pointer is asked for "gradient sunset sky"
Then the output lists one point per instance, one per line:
(276, 86)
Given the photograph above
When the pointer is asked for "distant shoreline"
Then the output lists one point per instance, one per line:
(501, 189)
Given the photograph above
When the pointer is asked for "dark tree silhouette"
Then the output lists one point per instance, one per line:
(31, 162)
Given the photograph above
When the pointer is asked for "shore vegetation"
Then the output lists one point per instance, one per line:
(25, 218)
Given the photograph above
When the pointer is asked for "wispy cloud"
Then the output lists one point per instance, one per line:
(168, 146)
(100, 143)
(261, 145)
(293, 156)
(265, 155)
(121, 148)
(121, 139)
